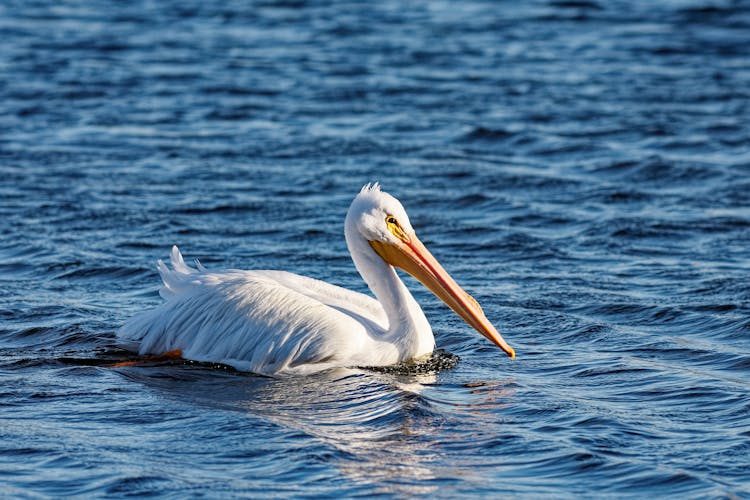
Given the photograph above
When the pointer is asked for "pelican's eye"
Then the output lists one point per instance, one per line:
(395, 228)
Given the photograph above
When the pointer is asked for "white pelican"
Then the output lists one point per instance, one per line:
(275, 322)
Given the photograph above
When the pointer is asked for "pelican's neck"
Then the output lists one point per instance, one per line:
(408, 327)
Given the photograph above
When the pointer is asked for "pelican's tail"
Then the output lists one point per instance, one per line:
(177, 278)
(146, 332)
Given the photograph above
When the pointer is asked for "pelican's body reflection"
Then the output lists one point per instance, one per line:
(378, 421)
(383, 426)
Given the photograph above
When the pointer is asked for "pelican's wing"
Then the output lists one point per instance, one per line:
(357, 305)
(260, 321)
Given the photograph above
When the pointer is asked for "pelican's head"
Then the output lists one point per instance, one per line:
(382, 221)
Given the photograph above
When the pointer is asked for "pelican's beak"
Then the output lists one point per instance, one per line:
(411, 255)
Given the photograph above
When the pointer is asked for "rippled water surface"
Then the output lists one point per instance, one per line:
(581, 167)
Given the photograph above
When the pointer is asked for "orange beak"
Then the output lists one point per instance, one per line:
(412, 256)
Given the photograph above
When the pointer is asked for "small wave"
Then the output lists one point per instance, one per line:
(438, 361)
(488, 134)
(575, 4)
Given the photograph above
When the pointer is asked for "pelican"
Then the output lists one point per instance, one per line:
(276, 322)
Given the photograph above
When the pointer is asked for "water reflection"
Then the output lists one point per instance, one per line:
(381, 428)
(377, 422)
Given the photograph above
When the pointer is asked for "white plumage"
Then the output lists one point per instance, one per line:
(275, 322)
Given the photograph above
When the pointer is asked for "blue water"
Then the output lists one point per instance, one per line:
(581, 167)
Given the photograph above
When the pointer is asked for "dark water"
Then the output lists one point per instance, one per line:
(581, 167)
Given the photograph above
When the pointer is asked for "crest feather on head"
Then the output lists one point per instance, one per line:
(371, 187)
